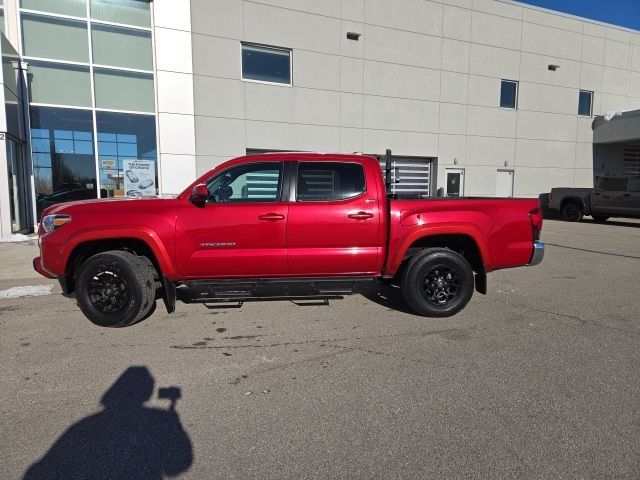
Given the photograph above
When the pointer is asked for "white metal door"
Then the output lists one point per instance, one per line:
(455, 182)
(504, 183)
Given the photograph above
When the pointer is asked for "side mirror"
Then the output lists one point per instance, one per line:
(199, 195)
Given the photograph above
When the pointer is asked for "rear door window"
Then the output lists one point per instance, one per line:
(329, 181)
(614, 184)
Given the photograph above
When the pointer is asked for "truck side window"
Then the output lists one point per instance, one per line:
(614, 184)
(329, 181)
(253, 182)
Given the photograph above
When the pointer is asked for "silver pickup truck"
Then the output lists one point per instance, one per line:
(611, 197)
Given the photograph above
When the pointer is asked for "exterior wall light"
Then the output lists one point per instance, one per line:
(553, 67)
(353, 36)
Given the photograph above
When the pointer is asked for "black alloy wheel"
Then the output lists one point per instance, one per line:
(441, 285)
(437, 282)
(116, 288)
(108, 291)
(572, 212)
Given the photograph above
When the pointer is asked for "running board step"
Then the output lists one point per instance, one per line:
(203, 291)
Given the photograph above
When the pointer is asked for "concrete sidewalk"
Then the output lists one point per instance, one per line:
(16, 269)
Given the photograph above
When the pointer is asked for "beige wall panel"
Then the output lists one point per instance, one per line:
(400, 114)
(544, 153)
(316, 70)
(494, 62)
(291, 29)
(421, 16)
(402, 143)
(493, 122)
(294, 105)
(455, 55)
(454, 87)
(616, 54)
(453, 118)
(228, 100)
(496, 31)
(401, 81)
(407, 48)
(534, 68)
(491, 151)
(286, 136)
(546, 126)
(456, 23)
(551, 41)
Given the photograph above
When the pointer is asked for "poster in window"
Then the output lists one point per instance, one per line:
(139, 178)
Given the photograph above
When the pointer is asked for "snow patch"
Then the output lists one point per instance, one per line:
(16, 237)
(28, 291)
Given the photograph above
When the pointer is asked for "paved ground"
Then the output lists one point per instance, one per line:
(538, 379)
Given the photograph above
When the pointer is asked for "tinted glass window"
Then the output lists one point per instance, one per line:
(266, 64)
(508, 94)
(584, 103)
(614, 184)
(259, 182)
(329, 181)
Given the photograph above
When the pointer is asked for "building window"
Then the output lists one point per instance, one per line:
(509, 94)
(95, 56)
(64, 167)
(585, 102)
(266, 64)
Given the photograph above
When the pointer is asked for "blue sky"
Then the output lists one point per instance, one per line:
(618, 12)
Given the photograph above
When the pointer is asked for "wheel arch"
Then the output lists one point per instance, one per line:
(462, 243)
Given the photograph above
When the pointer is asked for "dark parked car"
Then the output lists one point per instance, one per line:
(611, 197)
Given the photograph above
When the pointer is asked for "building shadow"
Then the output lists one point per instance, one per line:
(126, 440)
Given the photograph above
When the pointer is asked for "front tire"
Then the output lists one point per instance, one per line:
(115, 289)
(437, 282)
(572, 212)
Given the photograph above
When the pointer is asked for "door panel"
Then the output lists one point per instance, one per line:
(610, 197)
(504, 183)
(241, 231)
(333, 237)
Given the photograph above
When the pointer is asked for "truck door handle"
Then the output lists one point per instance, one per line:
(271, 217)
(361, 215)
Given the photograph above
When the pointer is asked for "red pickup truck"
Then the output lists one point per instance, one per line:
(282, 225)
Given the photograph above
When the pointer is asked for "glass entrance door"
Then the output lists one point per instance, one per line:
(17, 175)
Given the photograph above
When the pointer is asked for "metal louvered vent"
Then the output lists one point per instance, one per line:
(261, 185)
(631, 160)
(414, 173)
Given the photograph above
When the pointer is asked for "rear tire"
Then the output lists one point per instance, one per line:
(115, 289)
(572, 212)
(599, 218)
(437, 282)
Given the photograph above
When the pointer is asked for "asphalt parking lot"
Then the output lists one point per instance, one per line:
(538, 379)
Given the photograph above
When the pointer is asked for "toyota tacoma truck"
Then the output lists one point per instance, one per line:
(283, 226)
(611, 197)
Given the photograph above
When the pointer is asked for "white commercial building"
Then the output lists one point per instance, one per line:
(477, 97)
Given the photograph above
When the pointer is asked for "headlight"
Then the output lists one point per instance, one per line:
(51, 222)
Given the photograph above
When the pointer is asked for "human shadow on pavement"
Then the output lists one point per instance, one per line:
(126, 440)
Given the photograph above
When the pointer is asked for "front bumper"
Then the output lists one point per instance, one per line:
(37, 266)
(538, 253)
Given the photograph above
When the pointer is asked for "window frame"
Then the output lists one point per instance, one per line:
(267, 47)
(281, 183)
(515, 100)
(590, 92)
(294, 182)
